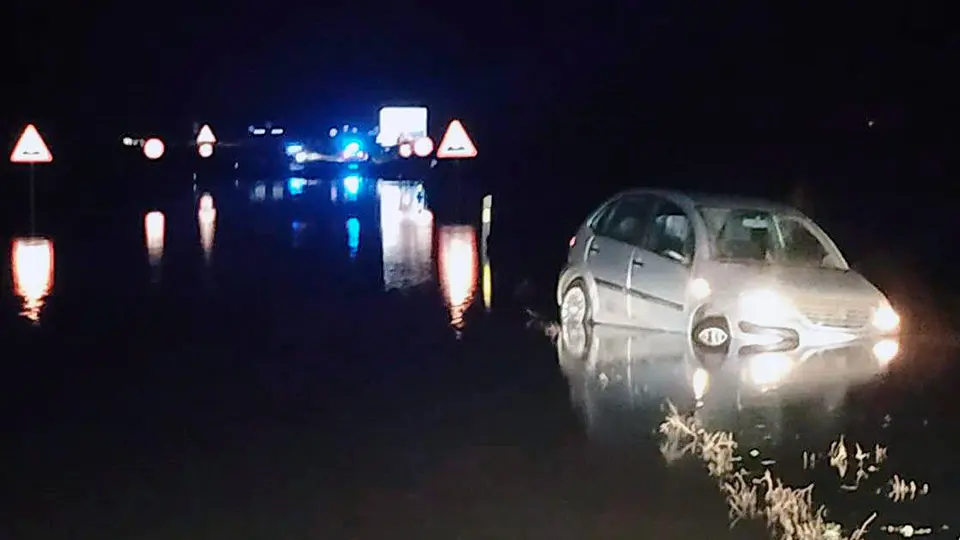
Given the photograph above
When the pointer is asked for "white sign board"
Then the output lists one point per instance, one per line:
(401, 124)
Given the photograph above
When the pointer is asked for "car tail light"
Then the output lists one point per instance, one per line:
(573, 241)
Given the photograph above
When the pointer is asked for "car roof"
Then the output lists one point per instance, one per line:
(684, 198)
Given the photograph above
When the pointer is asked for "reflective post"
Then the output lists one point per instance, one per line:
(33, 204)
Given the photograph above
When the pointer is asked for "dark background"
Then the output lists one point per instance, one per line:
(567, 103)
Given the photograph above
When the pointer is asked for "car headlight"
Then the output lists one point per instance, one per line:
(885, 318)
(764, 306)
(700, 288)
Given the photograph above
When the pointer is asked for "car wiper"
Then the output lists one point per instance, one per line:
(743, 260)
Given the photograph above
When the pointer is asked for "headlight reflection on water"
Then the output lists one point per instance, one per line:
(457, 266)
(154, 226)
(407, 241)
(207, 221)
(407, 235)
(700, 382)
(886, 350)
(33, 265)
(259, 193)
(769, 368)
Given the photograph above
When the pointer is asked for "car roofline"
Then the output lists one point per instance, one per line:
(691, 201)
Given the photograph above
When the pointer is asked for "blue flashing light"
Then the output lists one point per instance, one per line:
(353, 166)
(353, 235)
(295, 185)
(294, 149)
(352, 184)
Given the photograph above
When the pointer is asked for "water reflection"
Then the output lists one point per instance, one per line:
(259, 192)
(297, 228)
(407, 236)
(295, 186)
(154, 226)
(353, 236)
(769, 422)
(486, 284)
(33, 268)
(457, 266)
(207, 220)
(622, 379)
(351, 187)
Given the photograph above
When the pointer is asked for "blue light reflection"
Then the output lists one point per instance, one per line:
(353, 236)
(295, 185)
(352, 184)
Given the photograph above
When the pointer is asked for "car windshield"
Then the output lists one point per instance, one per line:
(762, 236)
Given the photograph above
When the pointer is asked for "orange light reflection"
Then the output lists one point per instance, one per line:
(33, 263)
(457, 265)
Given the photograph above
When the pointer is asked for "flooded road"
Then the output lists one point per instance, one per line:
(299, 357)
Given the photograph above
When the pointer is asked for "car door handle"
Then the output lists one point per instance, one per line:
(593, 249)
(637, 261)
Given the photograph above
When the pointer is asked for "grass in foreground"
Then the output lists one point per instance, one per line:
(790, 513)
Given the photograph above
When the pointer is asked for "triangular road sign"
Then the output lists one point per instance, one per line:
(456, 143)
(30, 148)
(206, 135)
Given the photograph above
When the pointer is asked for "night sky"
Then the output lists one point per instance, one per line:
(734, 96)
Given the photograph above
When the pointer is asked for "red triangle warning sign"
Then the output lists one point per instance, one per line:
(456, 143)
(30, 148)
(205, 136)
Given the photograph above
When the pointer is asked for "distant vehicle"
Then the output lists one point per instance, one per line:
(726, 271)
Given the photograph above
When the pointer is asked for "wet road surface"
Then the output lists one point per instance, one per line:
(324, 365)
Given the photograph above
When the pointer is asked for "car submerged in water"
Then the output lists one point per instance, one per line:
(729, 272)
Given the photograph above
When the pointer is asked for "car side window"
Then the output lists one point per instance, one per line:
(627, 220)
(602, 216)
(671, 233)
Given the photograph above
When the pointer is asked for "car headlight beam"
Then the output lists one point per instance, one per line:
(885, 318)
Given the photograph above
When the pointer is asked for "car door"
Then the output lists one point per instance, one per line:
(610, 252)
(661, 275)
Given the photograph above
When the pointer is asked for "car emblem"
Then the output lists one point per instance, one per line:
(712, 336)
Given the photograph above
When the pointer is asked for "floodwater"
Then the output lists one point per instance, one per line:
(287, 358)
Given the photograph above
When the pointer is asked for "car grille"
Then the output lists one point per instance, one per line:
(835, 314)
(846, 359)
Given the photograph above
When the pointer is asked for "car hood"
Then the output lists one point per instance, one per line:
(792, 280)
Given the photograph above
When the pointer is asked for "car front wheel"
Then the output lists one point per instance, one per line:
(575, 307)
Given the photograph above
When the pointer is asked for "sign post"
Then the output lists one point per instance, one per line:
(456, 144)
(31, 149)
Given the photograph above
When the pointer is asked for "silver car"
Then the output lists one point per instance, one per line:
(728, 272)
